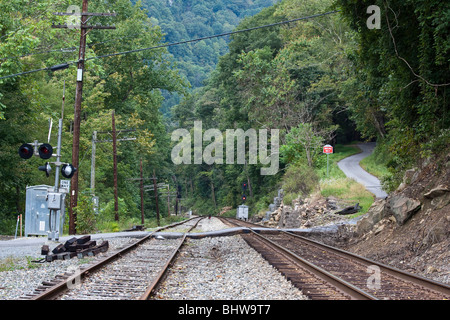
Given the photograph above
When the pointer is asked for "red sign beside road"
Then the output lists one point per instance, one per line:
(327, 149)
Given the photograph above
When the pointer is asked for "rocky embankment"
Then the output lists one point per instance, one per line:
(410, 229)
(311, 212)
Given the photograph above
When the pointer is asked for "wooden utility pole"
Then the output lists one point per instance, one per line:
(78, 98)
(168, 201)
(77, 123)
(142, 193)
(156, 196)
(114, 138)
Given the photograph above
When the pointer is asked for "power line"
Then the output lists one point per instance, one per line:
(68, 49)
(211, 37)
(166, 45)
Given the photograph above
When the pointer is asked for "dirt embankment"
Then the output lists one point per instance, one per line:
(410, 230)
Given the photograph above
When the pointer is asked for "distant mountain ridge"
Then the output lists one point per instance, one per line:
(190, 19)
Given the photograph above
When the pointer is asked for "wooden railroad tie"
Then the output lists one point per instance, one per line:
(74, 247)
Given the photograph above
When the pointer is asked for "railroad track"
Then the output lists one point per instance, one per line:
(130, 274)
(324, 272)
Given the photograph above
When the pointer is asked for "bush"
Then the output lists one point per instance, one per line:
(86, 222)
(299, 180)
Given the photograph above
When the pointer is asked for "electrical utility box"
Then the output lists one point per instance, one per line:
(39, 200)
(242, 212)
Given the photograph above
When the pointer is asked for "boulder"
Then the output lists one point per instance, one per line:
(349, 210)
(374, 215)
(437, 192)
(402, 208)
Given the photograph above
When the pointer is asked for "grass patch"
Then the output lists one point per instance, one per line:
(14, 263)
(349, 191)
(338, 185)
(373, 166)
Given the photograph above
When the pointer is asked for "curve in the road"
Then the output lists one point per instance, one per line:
(350, 166)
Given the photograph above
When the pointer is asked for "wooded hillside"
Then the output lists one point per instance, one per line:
(330, 79)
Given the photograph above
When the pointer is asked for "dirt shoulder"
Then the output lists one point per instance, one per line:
(421, 243)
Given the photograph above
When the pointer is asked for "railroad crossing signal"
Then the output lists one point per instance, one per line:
(26, 151)
(68, 170)
(45, 151)
(46, 168)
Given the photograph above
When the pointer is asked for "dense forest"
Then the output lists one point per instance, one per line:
(325, 80)
(186, 20)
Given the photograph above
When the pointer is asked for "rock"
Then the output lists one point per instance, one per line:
(441, 201)
(374, 215)
(402, 207)
(431, 269)
(410, 176)
(437, 192)
(332, 204)
(379, 229)
(349, 210)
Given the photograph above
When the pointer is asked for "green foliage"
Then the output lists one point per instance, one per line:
(184, 20)
(400, 90)
(299, 181)
(86, 222)
(129, 84)
(303, 142)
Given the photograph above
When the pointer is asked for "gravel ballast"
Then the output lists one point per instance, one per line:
(224, 268)
(209, 268)
(22, 276)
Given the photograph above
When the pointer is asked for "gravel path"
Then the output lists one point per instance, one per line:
(350, 166)
(224, 268)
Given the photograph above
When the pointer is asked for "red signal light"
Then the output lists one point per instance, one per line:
(26, 151)
(45, 151)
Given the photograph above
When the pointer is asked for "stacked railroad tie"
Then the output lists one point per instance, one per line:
(79, 247)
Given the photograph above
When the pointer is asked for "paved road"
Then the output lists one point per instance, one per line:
(350, 166)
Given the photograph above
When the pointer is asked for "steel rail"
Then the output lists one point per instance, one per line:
(353, 292)
(56, 290)
(426, 283)
(404, 275)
